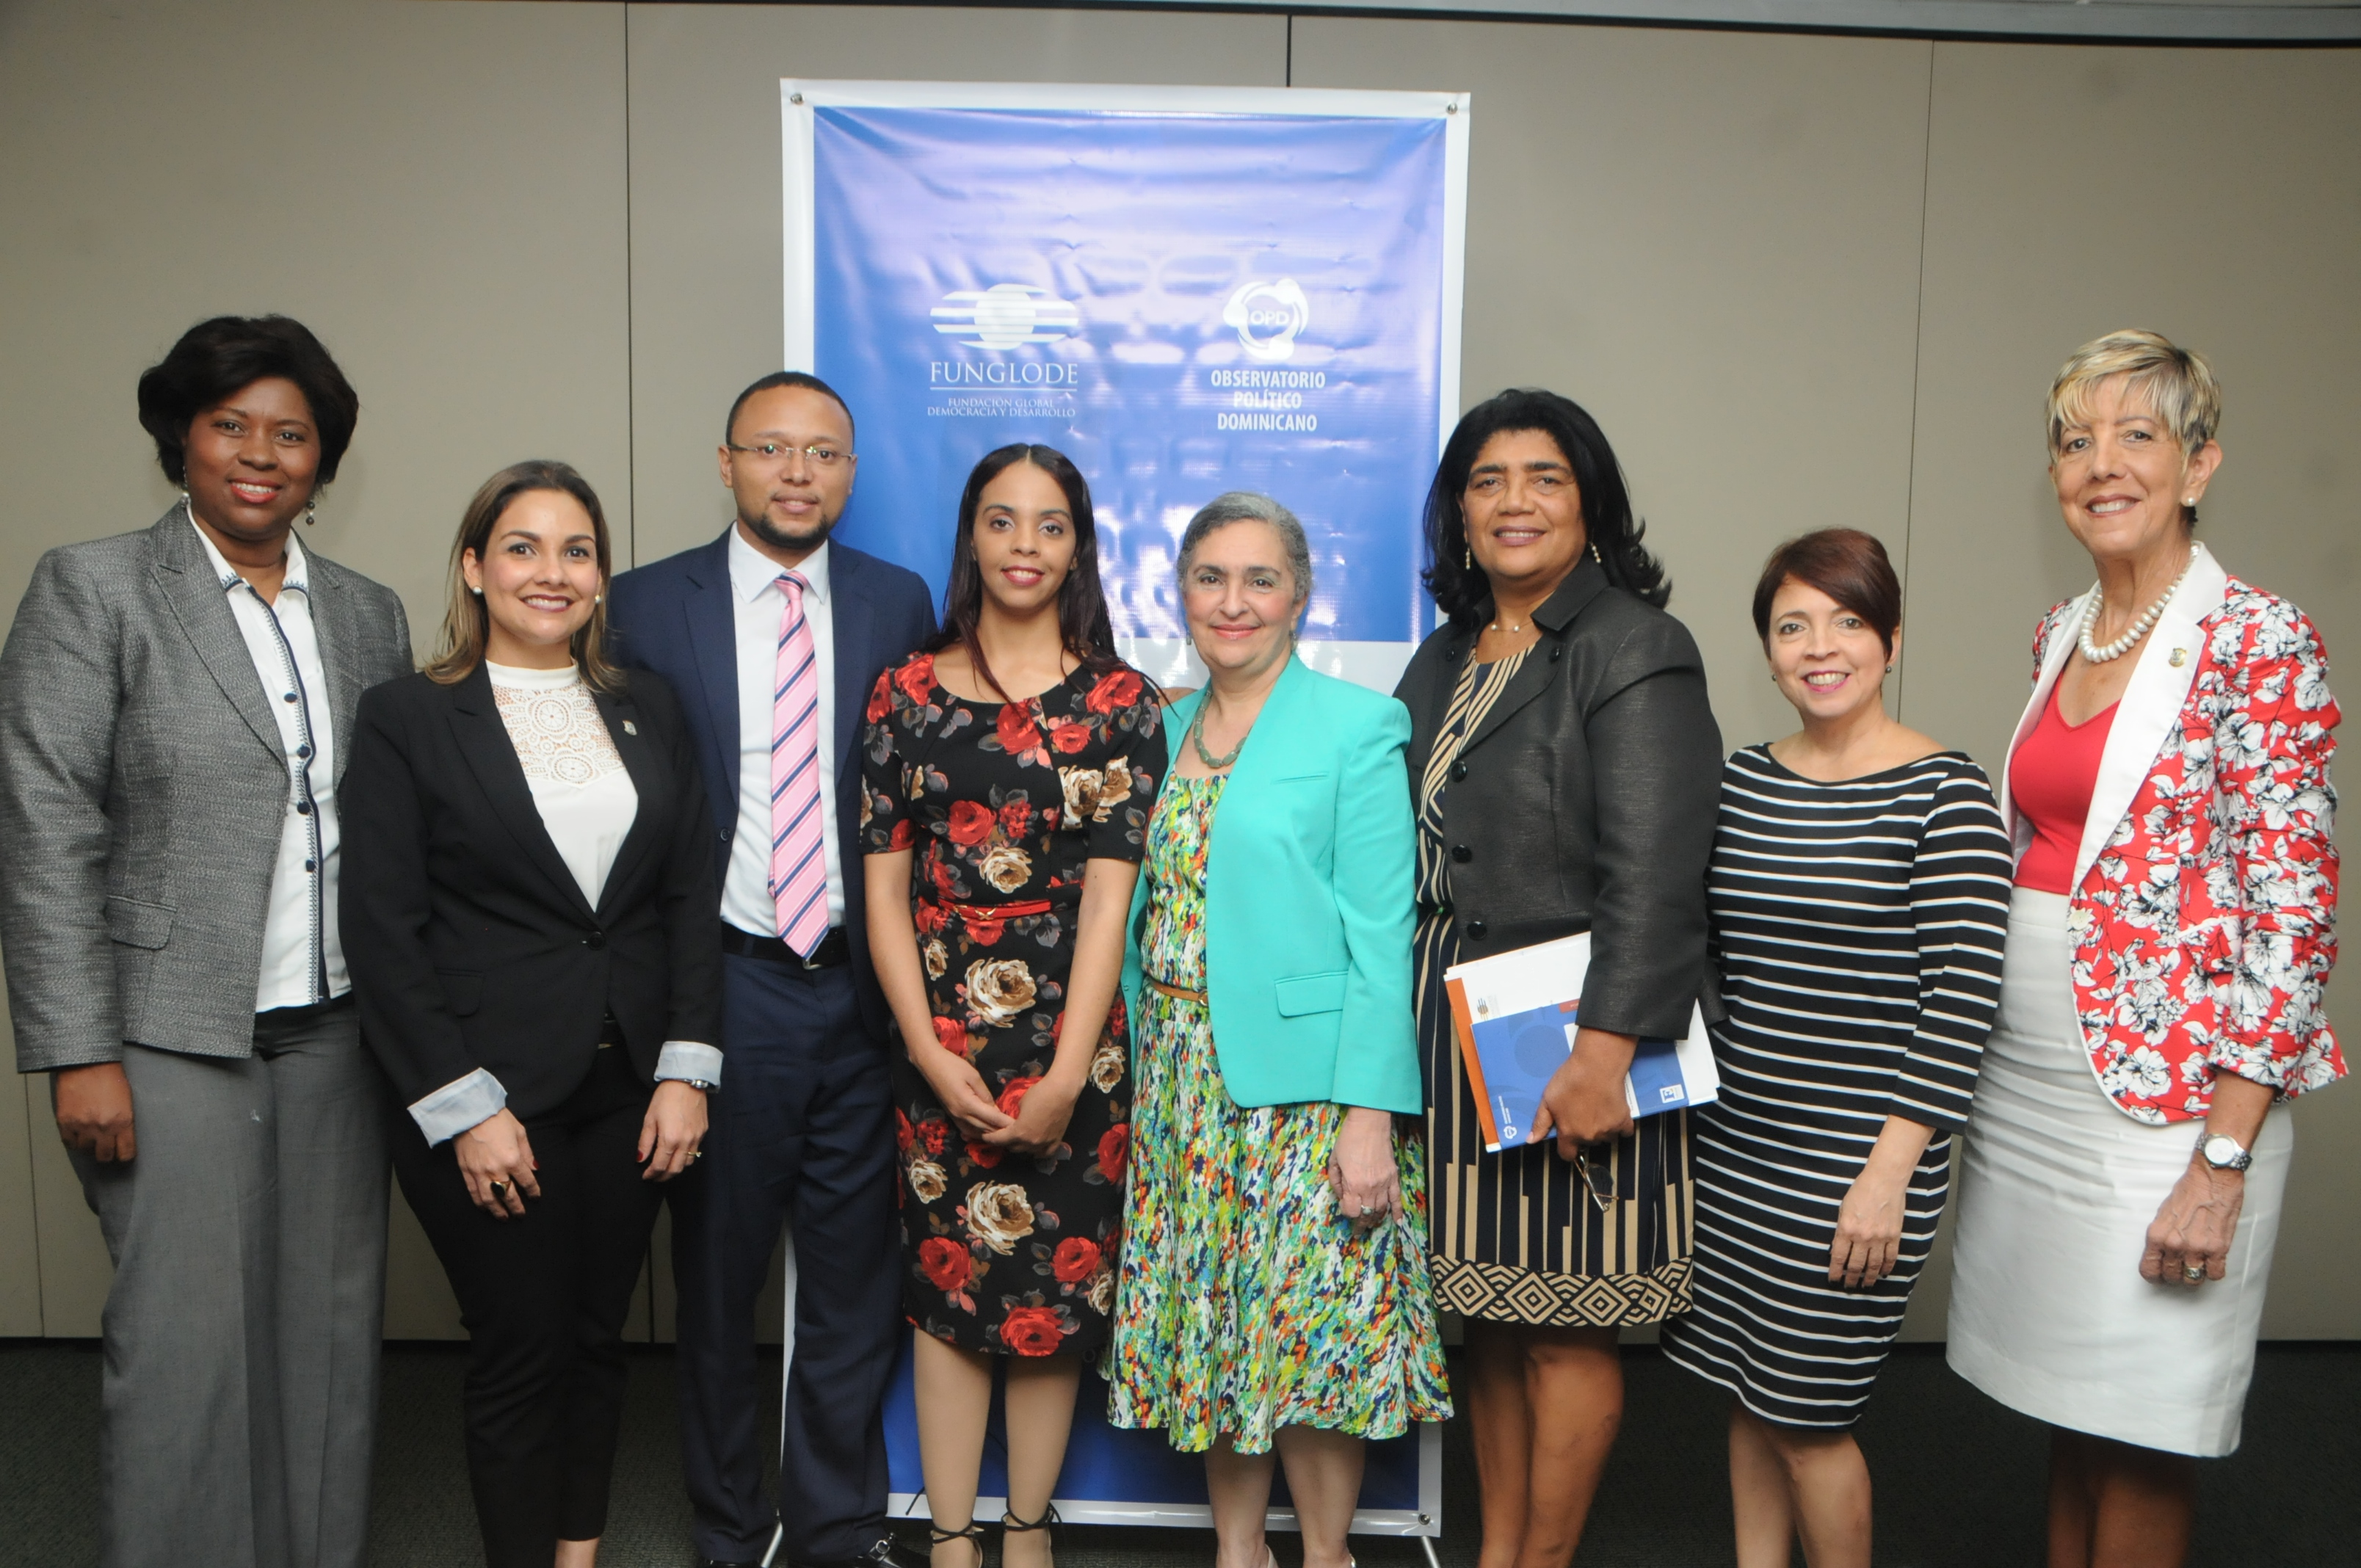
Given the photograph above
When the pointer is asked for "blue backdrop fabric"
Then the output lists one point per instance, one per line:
(1183, 303)
(1139, 1469)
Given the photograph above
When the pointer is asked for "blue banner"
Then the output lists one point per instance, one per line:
(1187, 290)
(1184, 302)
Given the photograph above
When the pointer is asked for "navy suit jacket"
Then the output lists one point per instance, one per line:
(678, 618)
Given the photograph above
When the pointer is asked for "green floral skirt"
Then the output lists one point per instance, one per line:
(1244, 1301)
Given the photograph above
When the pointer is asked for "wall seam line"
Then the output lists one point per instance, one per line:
(631, 331)
(32, 1196)
(631, 474)
(1917, 355)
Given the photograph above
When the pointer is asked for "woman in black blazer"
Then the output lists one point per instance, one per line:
(1564, 771)
(528, 899)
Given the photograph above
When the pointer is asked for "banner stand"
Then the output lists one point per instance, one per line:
(1422, 1518)
(1187, 290)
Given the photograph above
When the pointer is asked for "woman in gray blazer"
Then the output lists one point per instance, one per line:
(176, 707)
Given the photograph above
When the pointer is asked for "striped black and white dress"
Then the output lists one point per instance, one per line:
(1858, 926)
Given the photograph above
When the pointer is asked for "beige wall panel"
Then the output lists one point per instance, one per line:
(1710, 241)
(437, 190)
(20, 1254)
(2212, 195)
(434, 189)
(2215, 196)
(75, 1272)
(706, 286)
(418, 1299)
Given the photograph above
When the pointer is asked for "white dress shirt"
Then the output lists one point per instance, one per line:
(587, 804)
(746, 901)
(302, 958)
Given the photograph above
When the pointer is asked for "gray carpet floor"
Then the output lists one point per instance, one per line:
(1959, 1478)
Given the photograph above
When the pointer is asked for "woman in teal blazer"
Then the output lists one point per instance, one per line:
(1309, 931)
(1273, 1290)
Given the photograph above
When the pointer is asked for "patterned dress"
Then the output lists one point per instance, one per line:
(1247, 1302)
(1518, 1236)
(1004, 803)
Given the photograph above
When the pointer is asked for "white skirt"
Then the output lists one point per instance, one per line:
(2058, 1187)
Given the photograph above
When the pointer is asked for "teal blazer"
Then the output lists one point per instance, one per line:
(1309, 901)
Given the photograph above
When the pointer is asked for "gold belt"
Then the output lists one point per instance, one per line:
(1176, 992)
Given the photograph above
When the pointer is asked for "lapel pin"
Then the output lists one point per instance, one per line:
(632, 729)
(2180, 657)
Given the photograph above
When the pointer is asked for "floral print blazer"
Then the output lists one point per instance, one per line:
(2203, 914)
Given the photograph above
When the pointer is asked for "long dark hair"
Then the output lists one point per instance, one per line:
(1082, 623)
(1460, 589)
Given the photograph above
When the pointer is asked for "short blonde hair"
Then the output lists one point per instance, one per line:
(2177, 383)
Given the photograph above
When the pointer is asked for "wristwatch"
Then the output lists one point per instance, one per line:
(2224, 1152)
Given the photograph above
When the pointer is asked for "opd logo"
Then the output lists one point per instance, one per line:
(1005, 315)
(1268, 316)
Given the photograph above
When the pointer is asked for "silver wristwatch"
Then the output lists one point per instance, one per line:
(2224, 1152)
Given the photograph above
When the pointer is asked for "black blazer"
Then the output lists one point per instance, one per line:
(470, 943)
(1586, 800)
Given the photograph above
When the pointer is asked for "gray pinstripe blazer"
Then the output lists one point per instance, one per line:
(142, 789)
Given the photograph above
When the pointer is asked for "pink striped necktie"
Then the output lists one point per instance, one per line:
(798, 859)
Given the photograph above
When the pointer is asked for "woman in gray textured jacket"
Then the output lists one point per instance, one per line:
(175, 709)
(1565, 770)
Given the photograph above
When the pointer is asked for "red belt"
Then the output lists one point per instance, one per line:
(1016, 911)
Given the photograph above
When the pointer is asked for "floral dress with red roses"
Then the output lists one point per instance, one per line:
(1004, 804)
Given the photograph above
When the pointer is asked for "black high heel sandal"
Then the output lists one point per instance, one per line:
(1011, 1525)
(973, 1535)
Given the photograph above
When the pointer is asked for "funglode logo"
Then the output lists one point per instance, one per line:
(1267, 317)
(1006, 315)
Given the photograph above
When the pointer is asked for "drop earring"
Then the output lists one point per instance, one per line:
(1467, 557)
(1596, 556)
(310, 511)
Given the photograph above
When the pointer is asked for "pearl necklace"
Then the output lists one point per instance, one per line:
(2138, 628)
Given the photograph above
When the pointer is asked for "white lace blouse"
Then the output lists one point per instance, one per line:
(571, 765)
(587, 803)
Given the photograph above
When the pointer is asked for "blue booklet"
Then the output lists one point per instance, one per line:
(1516, 1015)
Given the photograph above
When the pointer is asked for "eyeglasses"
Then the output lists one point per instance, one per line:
(819, 455)
(1595, 1165)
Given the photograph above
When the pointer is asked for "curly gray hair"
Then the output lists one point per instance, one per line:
(1252, 506)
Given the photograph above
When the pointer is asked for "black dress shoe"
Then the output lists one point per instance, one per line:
(887, 1553)
(725, 1562)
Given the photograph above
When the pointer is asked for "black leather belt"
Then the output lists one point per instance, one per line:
(834, 949)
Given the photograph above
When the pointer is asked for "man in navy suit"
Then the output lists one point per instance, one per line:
(802, 1127)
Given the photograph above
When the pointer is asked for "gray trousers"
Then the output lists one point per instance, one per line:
(242, 1331)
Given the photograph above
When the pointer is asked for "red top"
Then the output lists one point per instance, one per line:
(2051, 778)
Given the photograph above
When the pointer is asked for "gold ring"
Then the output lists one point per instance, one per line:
(499, 1188)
